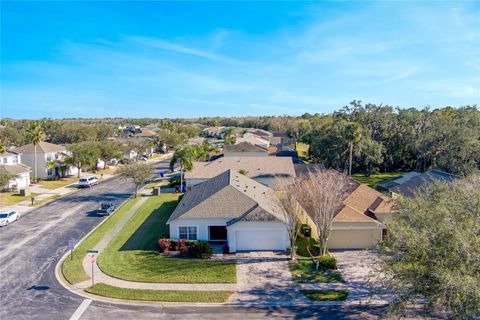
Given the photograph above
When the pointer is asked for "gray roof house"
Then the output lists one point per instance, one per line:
(232, 208)
(408, 183)
(261, 169)
(244, 149)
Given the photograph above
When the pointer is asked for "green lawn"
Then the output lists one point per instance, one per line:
(43, 201)
(326, 295)
(159, 295)
(73, 269)
(54, 184)
(133, 255)
(303, 271)
(11, 198)
(373, 180)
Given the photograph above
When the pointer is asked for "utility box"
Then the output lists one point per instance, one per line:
(156, 191)
(25, 192)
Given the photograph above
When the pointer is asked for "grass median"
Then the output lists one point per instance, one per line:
(133, 254)
(325, 295)
(73, 268)
(105, 290)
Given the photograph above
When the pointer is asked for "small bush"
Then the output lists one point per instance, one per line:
(201, 250)
(164, 245)
(327, 262)
(181, 246)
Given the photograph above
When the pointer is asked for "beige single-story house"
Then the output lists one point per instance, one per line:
(254, 139)
(261, 169)
(359, 223)
(231, 208)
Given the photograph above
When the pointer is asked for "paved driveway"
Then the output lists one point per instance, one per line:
(358, 270)
(264, 277)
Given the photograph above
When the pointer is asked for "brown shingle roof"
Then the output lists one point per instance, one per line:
(254, 167)
(42, 147)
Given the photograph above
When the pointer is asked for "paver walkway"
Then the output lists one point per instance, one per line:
(265, 277)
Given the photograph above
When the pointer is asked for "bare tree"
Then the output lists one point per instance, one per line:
(290, 210)
(321, 194)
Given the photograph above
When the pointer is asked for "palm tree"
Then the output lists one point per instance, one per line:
(184, 157)
(352, 133)
(202, 151)
(35, 135)
(229, 135)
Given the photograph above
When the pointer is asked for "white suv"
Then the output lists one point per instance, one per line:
(87, 182)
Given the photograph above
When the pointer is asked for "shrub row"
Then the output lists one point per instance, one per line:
(192, 248)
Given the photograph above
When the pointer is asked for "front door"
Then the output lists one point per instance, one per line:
(217, 233)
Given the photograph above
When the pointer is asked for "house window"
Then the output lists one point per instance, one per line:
(56, 156)
(49, 158)
(15, 160)
(5, 160)
(188, 233)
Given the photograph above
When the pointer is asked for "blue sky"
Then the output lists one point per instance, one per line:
(190, 59)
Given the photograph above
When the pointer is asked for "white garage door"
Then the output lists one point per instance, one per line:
(250, 240)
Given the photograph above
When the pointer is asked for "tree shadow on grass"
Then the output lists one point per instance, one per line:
(152, 229)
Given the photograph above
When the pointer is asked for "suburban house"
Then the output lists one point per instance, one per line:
(261, 133)
(244, 149)
(359, 222)
(261, 169)
(12, 163)
(213, 132)
(47, 153)
(408, 183)
(234, 208)
(254, 139)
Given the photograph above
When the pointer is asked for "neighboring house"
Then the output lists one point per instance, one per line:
(407, 184)
(46, 152)
(254, 139)
(261, 133)
(244, 149)
(213, 132)
(233, 208)
(262, 169)
(282, 141)
(359, 223)
(12, 163)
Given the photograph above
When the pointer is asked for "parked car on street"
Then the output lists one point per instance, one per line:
(87, 182)
(106, 209)
(8, 217)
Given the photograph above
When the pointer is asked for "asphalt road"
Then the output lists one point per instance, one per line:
(31, 248)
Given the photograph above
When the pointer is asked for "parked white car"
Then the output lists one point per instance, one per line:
(8, 217)
(87, 182)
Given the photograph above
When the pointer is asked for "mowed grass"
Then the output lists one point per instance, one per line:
(326, 295)
(55, 184)
(11, 198)
(44, 201)
(303, 271)
(72, 268)
(159, 295)
(133, 255)
(373, 180)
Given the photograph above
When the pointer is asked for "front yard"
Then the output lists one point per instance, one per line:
(133, 254)
(12, 198)
(303, 270)
(55, 184)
